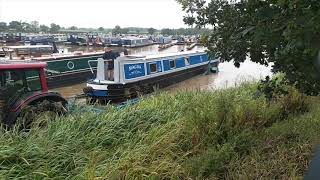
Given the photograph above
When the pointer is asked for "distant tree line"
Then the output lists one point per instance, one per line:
(36, 27)
(32, 27)
(166, 31)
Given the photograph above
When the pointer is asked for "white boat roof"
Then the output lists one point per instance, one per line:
(154, 56)
(158, 56)
(133, 38)
(29, 46)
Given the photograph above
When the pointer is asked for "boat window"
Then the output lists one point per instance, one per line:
(153, 68)
(187, 61)
(172, 64)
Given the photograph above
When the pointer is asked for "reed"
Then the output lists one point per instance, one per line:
(234, 133)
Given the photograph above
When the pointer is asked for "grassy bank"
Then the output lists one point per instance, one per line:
(234, 134)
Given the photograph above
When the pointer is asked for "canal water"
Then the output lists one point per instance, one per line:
(228, 75)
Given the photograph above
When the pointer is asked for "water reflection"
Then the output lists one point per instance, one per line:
(228, 76)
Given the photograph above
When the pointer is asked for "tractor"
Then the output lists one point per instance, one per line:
(24, 93)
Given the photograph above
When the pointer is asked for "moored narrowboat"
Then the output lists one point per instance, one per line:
(133, 75)
(132, 42)
(69, 69)
(62, 69)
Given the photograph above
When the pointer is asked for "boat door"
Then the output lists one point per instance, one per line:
(105, 70)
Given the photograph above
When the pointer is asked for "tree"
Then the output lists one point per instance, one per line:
(34, 26)
(54, 27)
(125, 31)
(16, 25)
(116, 30)
(180, 31)
(73, 28)
(167, 31)
(151, 31)
(3, 26)
(282, 33)
(44, 28)
(100, 29)
(26, 27)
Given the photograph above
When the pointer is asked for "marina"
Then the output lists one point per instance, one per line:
(69, 71)
(163, 89)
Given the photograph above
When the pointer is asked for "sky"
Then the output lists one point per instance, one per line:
(95, 13)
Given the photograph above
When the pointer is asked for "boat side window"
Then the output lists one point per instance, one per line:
(172, 64)
(153, 67)
(187, 61)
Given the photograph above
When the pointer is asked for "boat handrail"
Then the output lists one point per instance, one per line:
(99, 59)
(52, 71)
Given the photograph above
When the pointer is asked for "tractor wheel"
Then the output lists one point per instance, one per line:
(39, 114)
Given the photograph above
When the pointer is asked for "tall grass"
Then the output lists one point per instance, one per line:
(234, 133)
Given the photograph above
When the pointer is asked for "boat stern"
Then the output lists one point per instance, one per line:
(96, 90)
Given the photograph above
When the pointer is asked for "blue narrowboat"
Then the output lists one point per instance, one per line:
(134, 75)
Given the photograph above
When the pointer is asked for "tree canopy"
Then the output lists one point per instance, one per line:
(278, 32)
(100, 29)
(151, 30)
(54, 27)
(116, 30)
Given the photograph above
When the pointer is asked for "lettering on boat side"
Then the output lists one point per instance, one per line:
(134, 70)
(136, 66)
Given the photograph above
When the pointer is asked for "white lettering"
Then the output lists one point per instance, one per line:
(134, 67)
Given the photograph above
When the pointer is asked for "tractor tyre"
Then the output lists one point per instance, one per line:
(39, 114)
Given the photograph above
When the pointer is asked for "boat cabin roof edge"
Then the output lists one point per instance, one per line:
(160, 56)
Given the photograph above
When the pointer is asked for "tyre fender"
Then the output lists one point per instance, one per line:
(16, 109)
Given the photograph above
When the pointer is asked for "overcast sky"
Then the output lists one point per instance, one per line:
(95, 13)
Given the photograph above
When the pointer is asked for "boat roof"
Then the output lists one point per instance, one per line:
(29, 46)
(162, 55)
(133, 38)
(11, 64)
(68, 55)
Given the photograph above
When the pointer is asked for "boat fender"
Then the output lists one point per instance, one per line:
(87, 90)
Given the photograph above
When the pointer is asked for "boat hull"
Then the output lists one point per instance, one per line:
(70, 70)
(69, 79)
(122, 92)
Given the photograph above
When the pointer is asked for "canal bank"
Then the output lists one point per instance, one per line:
(186, 135)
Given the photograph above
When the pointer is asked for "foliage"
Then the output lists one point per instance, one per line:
(3, 26)
(167, 31)
(73, 28)
(151, 31)
(116, 30)
(54, 28)
(275, 87)
(17, 25)
(44, 28)
(280, 32)
(34, 27)
(100, 29)
(187, 135)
